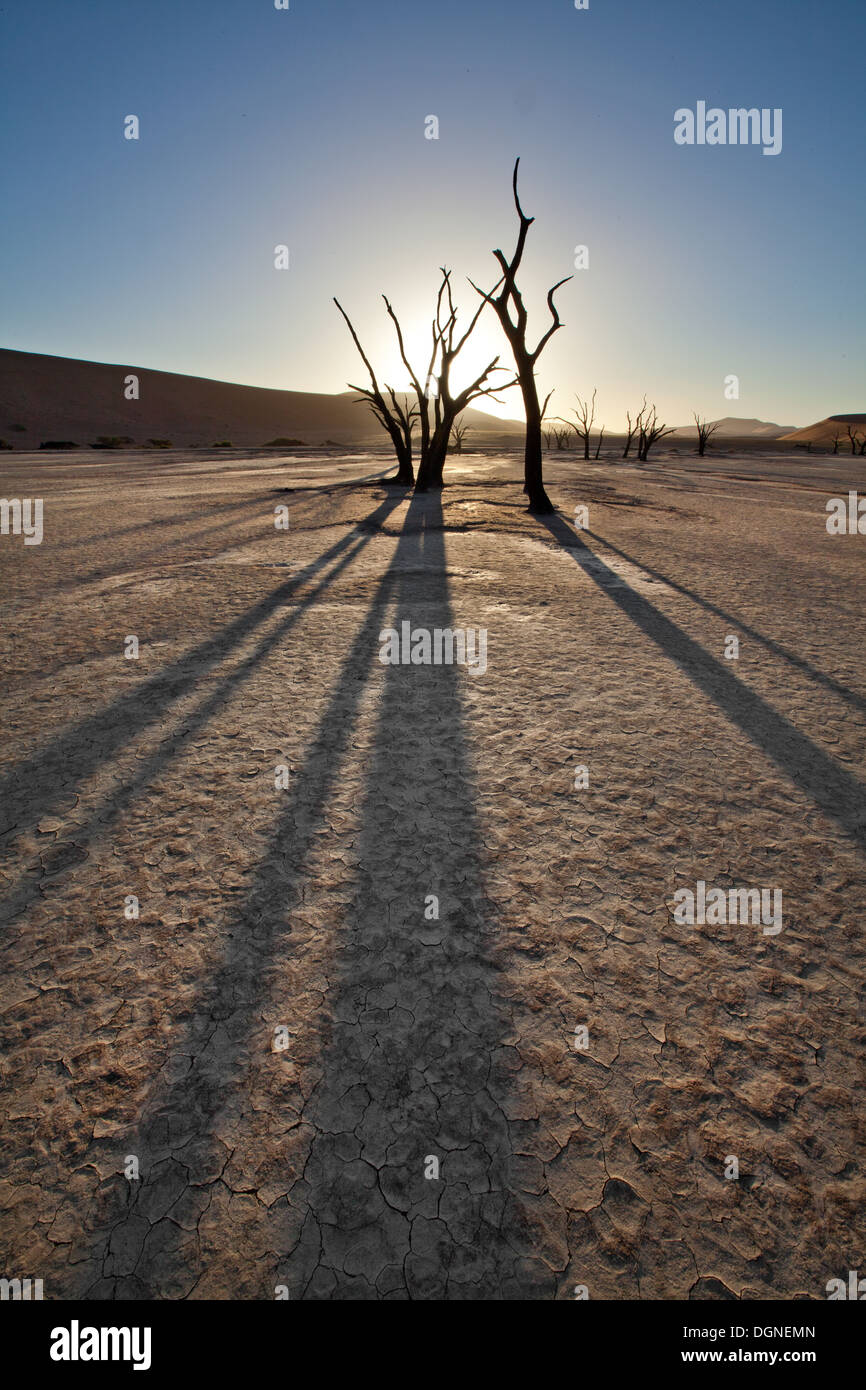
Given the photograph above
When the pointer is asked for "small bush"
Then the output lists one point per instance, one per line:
(160, 443)
(284, 444)
(112, 441)
(4, 445)
(58, 444)
(222, 444)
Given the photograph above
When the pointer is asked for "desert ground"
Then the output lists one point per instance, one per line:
(284, 1037)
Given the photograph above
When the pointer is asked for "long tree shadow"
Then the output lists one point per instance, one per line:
(409, 1077)
(799, 662)
(36, 785)
(405, 1190)
(838, 794)
(27, 888)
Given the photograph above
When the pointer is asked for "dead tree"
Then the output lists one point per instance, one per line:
(422, 393)
(550, 434)
(836, 443)
(458, 434)
(852, 436)
(397, 419)
(706, 430)
(446, 406)
(598, 445)
(562, 437)
(634, 427)
(584, 415)
(651, 430)
(524, 357)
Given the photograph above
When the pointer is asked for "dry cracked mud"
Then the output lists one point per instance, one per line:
(287, 1044)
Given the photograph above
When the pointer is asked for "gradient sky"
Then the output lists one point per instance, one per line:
(306, 127)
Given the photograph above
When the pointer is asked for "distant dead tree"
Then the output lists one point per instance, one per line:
(599, 444)
(651, 430)
(549, 434)
(458, 434)
(396, 418)
(836, 443)
(852, 436)
(524, 357)
(706, 429)
(584, 415)
(633, 428)
(563, 437)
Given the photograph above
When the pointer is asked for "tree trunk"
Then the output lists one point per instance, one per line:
(533, 472)
(405, 472)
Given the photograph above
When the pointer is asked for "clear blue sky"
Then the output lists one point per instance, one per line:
(306, 127)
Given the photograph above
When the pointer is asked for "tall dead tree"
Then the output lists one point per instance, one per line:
(706, 429)
(396, 418)
(584, 415)
(524, 357)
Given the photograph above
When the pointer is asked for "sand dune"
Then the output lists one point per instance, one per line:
(825, 431)
(741, 428)
(62, 398)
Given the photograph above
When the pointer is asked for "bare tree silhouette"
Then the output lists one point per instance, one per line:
(706, 430)
(397, 419)
(458, 434)
(524, 357)
(447, 407)
(600, 441)
(651, 430)
(634, 427)
(584, 415)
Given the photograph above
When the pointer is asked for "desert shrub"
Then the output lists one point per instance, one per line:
(112, 441)
(4, 445)
(282, 443)
(222, 444)
(58, 444)
(159, 443)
